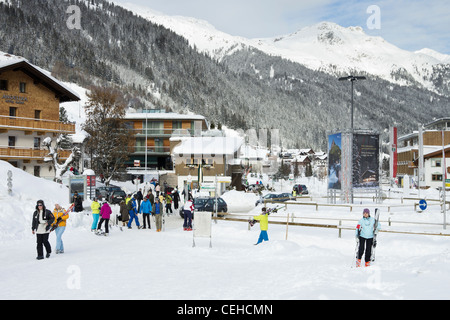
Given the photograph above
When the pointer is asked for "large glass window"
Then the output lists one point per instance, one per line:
(153, 127)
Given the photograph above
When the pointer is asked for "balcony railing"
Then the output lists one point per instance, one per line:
(151, 150)
(29, 153)
(7, 122)
(163, 132)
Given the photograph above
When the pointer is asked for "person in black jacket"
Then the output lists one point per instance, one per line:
(78, 202)
(42, 221)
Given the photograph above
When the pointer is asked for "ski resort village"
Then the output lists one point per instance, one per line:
(152, 157)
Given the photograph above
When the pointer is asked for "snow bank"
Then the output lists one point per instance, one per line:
(17, 210)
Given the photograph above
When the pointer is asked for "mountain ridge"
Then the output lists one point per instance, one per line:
(325, 46)
(248, 89)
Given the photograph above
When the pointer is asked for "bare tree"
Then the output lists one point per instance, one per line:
(53, 157)
(109, 139)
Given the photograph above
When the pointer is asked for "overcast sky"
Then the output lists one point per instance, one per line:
(408, 24)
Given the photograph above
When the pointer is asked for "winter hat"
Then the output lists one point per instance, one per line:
(40, 202)
(366, 211)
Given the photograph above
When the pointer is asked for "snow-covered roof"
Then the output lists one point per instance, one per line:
(208, 145)
(250, 152)
(8, 61)
(163, 116)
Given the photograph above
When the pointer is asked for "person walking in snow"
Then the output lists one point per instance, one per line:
(105, 213)
(78, 202)
(263, 219)
(40, 225)
(365, 232)
(139, 198)
(60, 220)
(157, 211)
(176, 198)
(132, 210)
(95, 207)
(168, 204)
(146, 210)
(188, 210)
(124, 215)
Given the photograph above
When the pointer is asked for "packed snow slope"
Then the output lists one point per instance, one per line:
(313, 263)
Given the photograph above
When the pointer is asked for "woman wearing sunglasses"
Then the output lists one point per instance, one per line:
(42, 221)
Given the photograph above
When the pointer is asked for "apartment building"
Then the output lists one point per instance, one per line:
(408, 154)
(29, 112)
(152, 130)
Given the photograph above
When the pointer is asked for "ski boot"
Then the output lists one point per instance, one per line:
(358, 263)
(367, 264)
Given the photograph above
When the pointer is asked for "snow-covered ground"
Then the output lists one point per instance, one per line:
(313, 263)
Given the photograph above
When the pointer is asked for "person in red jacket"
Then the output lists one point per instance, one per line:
(105, 213)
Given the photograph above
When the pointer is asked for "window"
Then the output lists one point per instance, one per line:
(208, 162)
(177, 125)
(4, 85)
(154, 127)
(140, 145)
(23, 87)
(436, 177)
(12, 111)
(37, 114)
(37, 171)
(436, 163)
(11, 141)
(37, 143)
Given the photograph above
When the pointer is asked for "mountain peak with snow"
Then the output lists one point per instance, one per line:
(325, 46)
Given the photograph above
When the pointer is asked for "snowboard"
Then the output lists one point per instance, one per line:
(55, 224)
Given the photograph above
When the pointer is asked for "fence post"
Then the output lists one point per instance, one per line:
(340, 230)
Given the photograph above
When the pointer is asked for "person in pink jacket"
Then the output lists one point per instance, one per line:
(105, 213)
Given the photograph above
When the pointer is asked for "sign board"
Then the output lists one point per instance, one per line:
(222, 179)
(422, 204)
(208, 186)
(137, 163)
(202, 225)
(78, 184)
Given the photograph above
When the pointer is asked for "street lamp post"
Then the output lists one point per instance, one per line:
(352, 79)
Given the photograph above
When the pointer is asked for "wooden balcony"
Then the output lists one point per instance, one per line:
(10, 153)
(35, 125)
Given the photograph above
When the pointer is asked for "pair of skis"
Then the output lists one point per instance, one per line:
(252, 222)
(56, 224)
(374, 242)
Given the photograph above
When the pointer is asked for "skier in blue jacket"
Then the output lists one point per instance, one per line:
(364, 233)
(146, 210)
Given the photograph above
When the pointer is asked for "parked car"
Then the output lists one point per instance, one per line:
(301, 189)
(277, 197)
(208, 204)
(117, 196)
(104, 193)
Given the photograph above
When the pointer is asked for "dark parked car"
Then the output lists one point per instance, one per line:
(104, 193)
(277, 197)
(301, 189)
(117, 196)
(208, 204)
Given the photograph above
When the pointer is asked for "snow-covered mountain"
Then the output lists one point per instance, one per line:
(325, 46)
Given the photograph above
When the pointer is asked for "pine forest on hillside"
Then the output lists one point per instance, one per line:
(154, 67)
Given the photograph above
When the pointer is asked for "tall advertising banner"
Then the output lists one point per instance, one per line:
(366, 164)
(334, 161)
